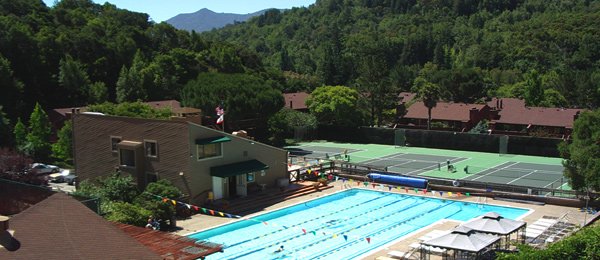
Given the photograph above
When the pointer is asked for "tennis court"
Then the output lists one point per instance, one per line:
(321, 152)
(414, 164)
(520, 173)
(522, 170)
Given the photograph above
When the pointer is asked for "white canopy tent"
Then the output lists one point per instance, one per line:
(463, 241)
(493, 223)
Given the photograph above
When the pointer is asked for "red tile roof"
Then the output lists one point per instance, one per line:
(168, 245)
(443, 111)
(60, 227)
(295, 100)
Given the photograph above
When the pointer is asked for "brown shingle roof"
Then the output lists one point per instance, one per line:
(406, 97)
(295, 100)
(168, 245)
(60, 227)
(513, 111)
(443, 111)
(154, 104)
(540, 116)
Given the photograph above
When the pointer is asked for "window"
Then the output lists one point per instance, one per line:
(127, 158)
(209, 150)
(250, 177)
(114, 140)
(151, 148)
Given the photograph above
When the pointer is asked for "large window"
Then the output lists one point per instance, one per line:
(151, 148)
(114, 140)
(209, 150)
(127, 158)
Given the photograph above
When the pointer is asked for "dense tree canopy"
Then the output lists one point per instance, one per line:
(79, 53)
(582, 157)
(335, 105)
(242, 96)
(481, 48)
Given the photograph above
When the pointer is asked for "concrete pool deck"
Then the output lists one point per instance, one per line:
(201, 222)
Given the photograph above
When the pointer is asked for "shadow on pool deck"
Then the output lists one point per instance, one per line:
(258, 201)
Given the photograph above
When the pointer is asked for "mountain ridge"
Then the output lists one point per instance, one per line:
(206, 19)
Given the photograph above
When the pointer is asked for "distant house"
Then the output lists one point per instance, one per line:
(517, 119)
(296, 101)
(505, 115)
(196, 159)
(455, 116)
(59, 116)
(404, 98)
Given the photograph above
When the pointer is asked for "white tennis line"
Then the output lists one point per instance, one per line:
(402, 163)
(554, 182)
(521, 177)
(494, 171)
(539, 171)
(428, 168)
(391, 156)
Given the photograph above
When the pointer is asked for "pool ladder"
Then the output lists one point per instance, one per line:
(482, 200)
(346, 186)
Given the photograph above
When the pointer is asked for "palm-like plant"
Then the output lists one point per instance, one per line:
(429, 93)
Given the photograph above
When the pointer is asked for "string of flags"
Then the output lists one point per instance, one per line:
(223, 214)
(305, 231)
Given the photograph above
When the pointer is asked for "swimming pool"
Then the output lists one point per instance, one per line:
(343, 225)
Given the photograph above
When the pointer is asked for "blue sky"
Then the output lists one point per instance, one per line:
(161, 10)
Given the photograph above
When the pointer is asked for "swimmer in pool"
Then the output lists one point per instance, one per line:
(278, 250)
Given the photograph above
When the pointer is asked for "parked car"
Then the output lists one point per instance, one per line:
(41, 168)
(67, 176)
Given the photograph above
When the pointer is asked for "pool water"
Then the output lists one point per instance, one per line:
(340, 226)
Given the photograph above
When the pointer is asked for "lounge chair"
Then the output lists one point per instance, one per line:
(429, 248)
(433, 234)
(398, 254)
(546, 222)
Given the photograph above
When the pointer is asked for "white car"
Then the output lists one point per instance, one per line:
(67, 176)
(40, 168)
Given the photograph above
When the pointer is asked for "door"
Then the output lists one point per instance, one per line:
(217, 184)
(231, 187)
(241, 189)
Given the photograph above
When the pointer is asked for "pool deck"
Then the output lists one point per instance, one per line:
(201, 222)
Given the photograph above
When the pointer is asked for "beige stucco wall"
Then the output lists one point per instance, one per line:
(232, 152)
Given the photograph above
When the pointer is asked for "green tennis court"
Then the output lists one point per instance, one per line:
(523, 170)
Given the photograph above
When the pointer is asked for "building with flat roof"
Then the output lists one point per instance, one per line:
(196, 159)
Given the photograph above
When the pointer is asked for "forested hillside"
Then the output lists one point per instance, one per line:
(545, 51)
(78, 53)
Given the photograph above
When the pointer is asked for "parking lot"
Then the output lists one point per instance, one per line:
(62, 186)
